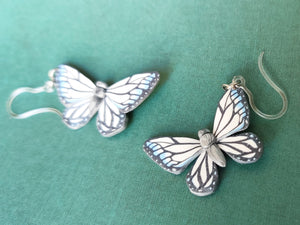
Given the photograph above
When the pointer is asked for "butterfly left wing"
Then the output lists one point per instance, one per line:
(202, 180)
(173, 154)
(232, 114)
(243, 148)
(71, 85)
(76, 93)
(130, 92)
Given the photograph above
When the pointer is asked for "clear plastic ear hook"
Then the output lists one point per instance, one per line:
(239, 81)
(48, 87)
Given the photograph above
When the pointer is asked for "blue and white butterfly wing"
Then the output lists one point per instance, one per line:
(243, 148)
(110, 119)
(122, 97)
(71, 85)
(76, 93)
(130, 92)
(232, 114)
(202, 180)
(173, 154)
(79, 113)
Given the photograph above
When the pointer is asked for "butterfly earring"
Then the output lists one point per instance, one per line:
(82, 98)
(174, 154)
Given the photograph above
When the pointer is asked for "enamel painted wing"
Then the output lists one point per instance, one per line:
(202, 180)
(76, 93)
(174, 154)
(79, 95)
(123, 97)
(232, 114)
(130, 92)
(243, 148)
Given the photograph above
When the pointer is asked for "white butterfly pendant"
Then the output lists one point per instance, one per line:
(82, 98)
(174, 154)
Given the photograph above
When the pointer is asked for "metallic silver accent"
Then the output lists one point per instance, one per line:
(207, 142)
(202, 132)
(207, 139)
(100, 89)
(216, 155)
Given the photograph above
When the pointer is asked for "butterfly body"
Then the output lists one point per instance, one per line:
(208, 143)
(174, 154)
(83, 99)
(206, 138)
(100, 89)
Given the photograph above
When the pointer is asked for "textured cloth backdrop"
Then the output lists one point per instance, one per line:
(50, 174)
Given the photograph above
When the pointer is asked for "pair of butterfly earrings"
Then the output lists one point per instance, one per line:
(82, 99)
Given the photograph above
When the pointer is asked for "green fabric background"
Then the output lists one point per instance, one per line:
(50, 174)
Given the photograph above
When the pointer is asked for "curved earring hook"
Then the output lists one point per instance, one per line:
(241, 82)
(48, 87)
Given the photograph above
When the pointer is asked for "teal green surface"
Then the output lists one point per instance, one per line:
(50, 174)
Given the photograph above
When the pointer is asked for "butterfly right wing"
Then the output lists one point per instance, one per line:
(202, 180)
(173, 154)
(76, 93)
(242, 148)
(130, 92)
(232, 114)
(122, 97)
(110, 119)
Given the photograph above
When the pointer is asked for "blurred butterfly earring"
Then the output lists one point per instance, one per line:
(82, 98)
(174, 154)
